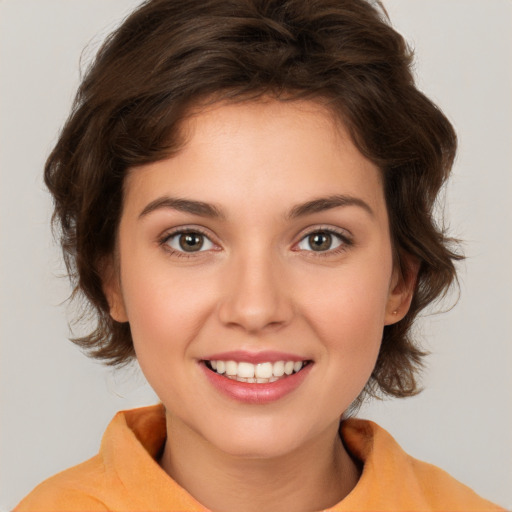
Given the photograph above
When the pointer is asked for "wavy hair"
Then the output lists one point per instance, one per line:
(169, 56)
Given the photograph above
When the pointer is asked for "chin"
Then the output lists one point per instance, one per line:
(261, 447)
(262, 438)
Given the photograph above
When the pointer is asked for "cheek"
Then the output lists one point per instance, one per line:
(348, 314)
(352, 328)
(165, 308)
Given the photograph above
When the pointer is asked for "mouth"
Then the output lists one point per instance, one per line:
(260, 373)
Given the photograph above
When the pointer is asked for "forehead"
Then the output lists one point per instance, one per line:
(260, 151)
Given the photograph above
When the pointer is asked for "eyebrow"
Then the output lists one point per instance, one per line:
(183, 205)
(209, 210)
(327, 203)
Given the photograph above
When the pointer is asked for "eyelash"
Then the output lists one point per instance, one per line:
(342, 236)
(181, 231)
(345, 239)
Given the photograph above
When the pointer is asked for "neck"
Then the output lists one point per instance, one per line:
(314, 477)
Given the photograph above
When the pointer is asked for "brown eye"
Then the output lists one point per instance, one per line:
(320, 241)
(191, 242)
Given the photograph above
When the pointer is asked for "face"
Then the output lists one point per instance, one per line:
(256, 272)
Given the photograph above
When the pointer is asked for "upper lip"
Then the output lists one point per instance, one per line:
(265, 356)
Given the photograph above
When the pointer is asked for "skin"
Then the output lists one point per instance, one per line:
(257, 284)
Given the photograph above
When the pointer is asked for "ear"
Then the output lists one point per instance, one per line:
(401, 290)
(111, 283)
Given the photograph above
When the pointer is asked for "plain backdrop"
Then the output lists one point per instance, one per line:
(55, 403)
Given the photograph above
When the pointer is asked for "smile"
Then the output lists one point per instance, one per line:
(260, 373)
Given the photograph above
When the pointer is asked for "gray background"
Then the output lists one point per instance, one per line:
(55, 403)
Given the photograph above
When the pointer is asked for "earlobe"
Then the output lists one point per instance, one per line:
(403, 285)
(113, 293)
(117, 309)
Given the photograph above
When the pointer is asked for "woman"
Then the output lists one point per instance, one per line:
(245, 193)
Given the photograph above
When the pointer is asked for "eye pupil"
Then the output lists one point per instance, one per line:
(191, 242)
(320, 241)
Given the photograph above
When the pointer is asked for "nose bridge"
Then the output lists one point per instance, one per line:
(255, 295)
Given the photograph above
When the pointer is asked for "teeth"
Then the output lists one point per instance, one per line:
(260, 373)
(288, 367)
(231, 368)
(263, 370)
(246, 370)
(278, 369)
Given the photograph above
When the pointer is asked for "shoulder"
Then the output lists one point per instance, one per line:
(122, 476)
(441, 490)
(393, 480)
(75, 489)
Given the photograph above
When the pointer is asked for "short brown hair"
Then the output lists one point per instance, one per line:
(167, 56)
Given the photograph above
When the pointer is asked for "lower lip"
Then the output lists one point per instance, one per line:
(256, 393)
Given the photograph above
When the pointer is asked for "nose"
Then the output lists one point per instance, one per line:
(256, 297)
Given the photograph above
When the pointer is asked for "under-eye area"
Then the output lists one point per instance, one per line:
(260, 373)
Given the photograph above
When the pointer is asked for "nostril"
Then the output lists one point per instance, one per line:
(255, 297)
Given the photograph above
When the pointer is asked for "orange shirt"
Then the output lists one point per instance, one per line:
(125, 476)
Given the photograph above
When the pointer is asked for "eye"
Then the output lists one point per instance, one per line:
(321, 241)
(188, 241)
